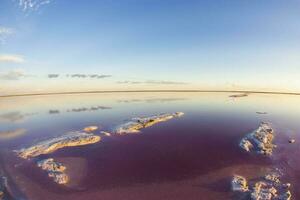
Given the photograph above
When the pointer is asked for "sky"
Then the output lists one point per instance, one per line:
(61, 45)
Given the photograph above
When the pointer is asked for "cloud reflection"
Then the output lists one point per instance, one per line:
(14, 117)
(54, 112)
(151, 100)
(11, 134)
(80, 109)
(92, 108)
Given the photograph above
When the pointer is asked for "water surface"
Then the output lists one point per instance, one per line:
(190, 157)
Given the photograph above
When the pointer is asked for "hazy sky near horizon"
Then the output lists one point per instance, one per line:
(57, 45)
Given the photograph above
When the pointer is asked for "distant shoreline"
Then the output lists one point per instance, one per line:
(148, 91)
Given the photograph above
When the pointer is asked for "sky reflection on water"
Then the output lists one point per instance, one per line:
(201, 144)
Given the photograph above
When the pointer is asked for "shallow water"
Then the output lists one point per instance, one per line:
(190, 157)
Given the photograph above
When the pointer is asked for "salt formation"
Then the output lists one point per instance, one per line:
(54, 170)
(266, 188)
(51, 145)
(260, 140)
(136, 124)
(106, 133)
(292, 141)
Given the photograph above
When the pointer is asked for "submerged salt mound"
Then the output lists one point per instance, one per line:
(51, 145)
(136, 124)
(267, 188)
(54, 170)
(3, 186)
(239, 184)
(260, 140)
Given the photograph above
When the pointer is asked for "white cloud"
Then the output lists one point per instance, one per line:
(12, 75)
(53, 75)
(5, 32)
(165, 82)
(130, 82)
(11, 58)
(161, 82)
(32, 5)
(92, 76)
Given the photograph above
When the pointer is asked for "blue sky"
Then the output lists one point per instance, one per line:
(149, 44)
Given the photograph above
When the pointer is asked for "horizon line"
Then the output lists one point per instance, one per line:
(140, 91)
